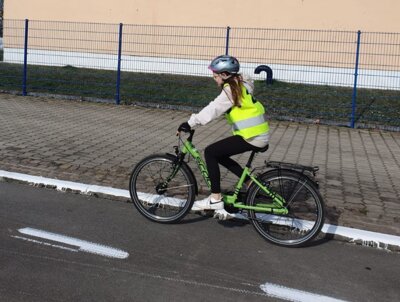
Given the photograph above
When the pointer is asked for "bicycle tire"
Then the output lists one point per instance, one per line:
(305, 204)
(155, 200)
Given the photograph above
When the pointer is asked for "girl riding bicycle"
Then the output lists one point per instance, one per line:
(247, 118)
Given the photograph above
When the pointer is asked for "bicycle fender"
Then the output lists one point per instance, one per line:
(315, 183)
(196, 188)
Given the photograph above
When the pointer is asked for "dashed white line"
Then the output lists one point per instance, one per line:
(45, 243)
(294, 295)
(81, 245)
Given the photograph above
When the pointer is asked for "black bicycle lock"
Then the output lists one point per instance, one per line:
(267, 70)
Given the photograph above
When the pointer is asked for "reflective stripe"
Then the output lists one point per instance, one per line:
(250, 122)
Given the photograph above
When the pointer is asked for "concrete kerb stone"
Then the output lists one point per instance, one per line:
(346, 234)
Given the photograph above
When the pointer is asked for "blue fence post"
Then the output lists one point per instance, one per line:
(25, 58)
(117, 94)
(354, 96)
(228, 30)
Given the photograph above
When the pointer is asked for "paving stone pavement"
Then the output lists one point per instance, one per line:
(97, 143)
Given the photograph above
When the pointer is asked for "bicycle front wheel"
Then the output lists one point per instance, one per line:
(160, 191)
(303, 201)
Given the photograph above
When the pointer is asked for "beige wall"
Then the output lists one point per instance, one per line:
(364, 15)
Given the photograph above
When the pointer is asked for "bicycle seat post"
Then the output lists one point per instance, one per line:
(253, 153)
(250, 160)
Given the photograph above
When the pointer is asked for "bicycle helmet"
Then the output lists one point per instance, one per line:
(225, 63)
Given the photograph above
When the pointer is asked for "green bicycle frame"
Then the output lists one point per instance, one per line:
(278, 202)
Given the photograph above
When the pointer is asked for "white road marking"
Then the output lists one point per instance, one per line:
(81, 245)
(367, 237)
(294, 295)
(45, 243)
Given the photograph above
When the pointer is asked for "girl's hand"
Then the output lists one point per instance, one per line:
(185, 127)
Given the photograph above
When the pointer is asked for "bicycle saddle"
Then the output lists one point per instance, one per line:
(263, 149)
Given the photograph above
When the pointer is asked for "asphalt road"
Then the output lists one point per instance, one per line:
(50, 252)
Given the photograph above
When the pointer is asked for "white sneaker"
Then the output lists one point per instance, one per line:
(208, 203)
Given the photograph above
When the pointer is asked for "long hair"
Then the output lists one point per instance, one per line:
(235, 82)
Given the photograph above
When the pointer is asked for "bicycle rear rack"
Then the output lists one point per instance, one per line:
(283, 165)
(310, 171)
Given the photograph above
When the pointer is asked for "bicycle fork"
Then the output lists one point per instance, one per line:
(162, 187)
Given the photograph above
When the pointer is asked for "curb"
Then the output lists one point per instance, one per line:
(361, 237)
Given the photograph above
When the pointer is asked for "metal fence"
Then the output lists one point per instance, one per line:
(1, 18)
(339, 77)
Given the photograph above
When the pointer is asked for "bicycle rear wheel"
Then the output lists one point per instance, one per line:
(159, 192)
(303, 200)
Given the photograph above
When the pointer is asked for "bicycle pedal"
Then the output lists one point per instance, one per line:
(206, 213)
(231, 209)
(223, 215)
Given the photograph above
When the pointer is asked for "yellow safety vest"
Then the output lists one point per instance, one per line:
(249, 119)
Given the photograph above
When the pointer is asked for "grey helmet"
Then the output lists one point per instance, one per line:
(225, 63)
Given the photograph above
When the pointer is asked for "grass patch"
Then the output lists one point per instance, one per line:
(283, 100)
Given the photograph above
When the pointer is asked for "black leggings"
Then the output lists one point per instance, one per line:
(220, 153)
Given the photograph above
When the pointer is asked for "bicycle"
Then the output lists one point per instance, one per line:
(283, 203)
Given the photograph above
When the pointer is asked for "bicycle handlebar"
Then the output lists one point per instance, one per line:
(190, 137)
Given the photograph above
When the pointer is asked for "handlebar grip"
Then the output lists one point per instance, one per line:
(190, 138)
